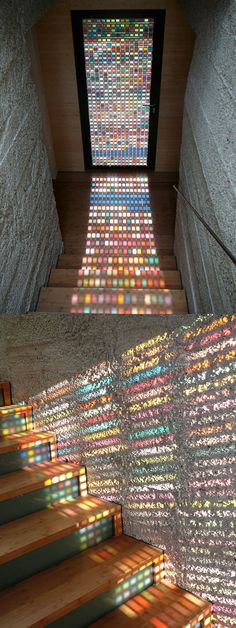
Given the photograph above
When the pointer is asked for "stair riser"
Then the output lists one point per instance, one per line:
(17, 460)
(115, 310)
(131, 272)
(166, 262)
(112, 250)
(107, 601)
(22, 505)
(44, 557)
(151, 283)
(104, 261)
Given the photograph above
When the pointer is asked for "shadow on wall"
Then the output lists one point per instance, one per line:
(155, 430)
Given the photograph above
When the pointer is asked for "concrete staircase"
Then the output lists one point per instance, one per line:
(64, 560)
(121, 265)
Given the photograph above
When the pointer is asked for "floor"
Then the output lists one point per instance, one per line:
(118, 234)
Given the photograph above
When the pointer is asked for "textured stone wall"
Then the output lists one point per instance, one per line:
(150, 409)
(207, 165)
(30, 238)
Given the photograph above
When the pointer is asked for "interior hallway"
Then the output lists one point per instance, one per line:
(118, 234)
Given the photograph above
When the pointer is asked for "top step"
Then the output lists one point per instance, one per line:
(15, 418)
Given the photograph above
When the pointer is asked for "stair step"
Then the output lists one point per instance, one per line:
(127, 272)
(29, 490)
(165, 262)
(21, 450)
(46, 474)
(33, 531)
(163, 605)
(62, 277)
(98, 301)
(43, 539)
(127, 243)
(15, 418)
(19, 442)
(5, 393)
(76, 587)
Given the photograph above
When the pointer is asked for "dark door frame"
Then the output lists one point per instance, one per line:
(77, 17)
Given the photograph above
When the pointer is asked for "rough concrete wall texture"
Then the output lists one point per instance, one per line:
(207, 164)
(30, 239)
(149, 409)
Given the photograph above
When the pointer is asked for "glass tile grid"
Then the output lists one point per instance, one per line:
(118, 62)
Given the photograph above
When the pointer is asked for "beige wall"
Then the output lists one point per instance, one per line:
(56, 54)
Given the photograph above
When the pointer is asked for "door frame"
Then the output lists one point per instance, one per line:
(77, 17)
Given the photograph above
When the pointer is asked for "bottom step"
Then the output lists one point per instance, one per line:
(99, 301)
(162, 606)
(79, 590)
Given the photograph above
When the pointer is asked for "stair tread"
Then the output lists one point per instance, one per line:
(97, 300)
(67, 260)
(56, 591)
(24, 440)
(45, 526)
(37, 476)
(165, 602)
(65, 277)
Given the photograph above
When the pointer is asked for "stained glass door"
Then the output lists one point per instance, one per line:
(118, 61)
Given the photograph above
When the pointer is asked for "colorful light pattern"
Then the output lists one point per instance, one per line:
(136, 583)
(162, 606)
(118, 62)
(120, 223)
(15, 419)
(121, 252)
(155, 428)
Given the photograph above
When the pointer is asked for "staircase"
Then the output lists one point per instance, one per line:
(115, 260)
(63, 558)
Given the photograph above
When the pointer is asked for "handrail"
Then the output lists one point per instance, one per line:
(216, 237)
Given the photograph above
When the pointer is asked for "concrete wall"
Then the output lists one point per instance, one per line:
(207, 165)
(30, 237)
(149, 409)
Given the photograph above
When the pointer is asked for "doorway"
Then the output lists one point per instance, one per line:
(118, 57)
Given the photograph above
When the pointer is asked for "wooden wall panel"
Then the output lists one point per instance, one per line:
(56, 54)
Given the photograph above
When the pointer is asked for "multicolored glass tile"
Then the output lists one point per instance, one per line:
(118, 62)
